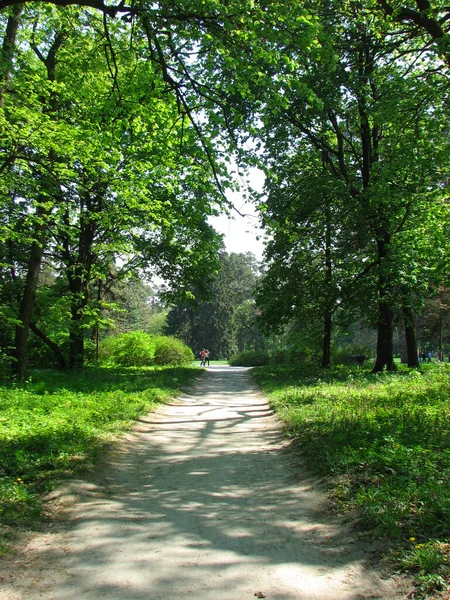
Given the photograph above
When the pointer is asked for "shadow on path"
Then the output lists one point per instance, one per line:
(205, 500)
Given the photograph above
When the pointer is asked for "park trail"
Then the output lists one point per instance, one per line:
(204, 499)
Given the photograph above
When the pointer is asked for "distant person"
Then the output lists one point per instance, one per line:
(202, 357)
(429, 355)
(207, 353)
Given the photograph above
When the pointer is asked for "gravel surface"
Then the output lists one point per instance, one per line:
(204, 499)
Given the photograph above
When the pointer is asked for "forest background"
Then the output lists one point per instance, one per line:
(125, 127)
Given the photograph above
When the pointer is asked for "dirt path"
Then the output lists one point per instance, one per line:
(203, 500)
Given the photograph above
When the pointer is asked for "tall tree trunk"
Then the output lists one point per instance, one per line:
(78, 303)
(8, 49)
(327, 321)
(27, 301)
(410, 336)
(78, 275)
(385, 345)
(37, 247)
(51, 344)
(76, 354)
(326, 348)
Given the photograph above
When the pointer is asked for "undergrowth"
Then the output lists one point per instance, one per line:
(57, 424)
(385, 441)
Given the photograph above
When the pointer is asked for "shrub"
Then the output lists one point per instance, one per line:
(132, 349)
(250, 358)
(170, 351)
(351, 354)
(139, 349)
(279, 357)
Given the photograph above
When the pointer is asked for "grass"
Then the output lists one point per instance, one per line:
(385, 442)
(58, 424)
(212, 363)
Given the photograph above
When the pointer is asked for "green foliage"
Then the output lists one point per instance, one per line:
(132, 349)
(431, 563)
(58, 424)
(223, 317)
(170, 351)
(354, 204)
(250, 358)
(384, 438)
(137, 349)
(97, 177)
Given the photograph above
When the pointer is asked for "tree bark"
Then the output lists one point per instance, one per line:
(8, 50)
(78, 270)
(78, 289)
(37, 247)
(385, 345)
(51, 344)
(326, 348)
(410, 337)
(27, 301)
(327, 321)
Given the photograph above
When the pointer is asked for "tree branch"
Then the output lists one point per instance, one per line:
(111, 11)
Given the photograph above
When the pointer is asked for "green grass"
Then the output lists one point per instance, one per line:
(385, 442)
(212, 363)
(57, 425)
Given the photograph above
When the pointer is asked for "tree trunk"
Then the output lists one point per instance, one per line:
(410, 337)
(37, 247)
(27, 302)
(78, 275)
(78, 303)
(326, 349)
(385, 345)
(9, 47)
(51, 344)
(76, 355)
(327, 321)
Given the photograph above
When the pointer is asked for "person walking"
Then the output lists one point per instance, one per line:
(202, 357)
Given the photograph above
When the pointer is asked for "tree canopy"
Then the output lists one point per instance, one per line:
(124, 125)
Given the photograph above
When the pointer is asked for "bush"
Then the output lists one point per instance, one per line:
(279, 357)
(250, 358)
(133, 349)
(139, 349)
(351, 354)
(170, 351)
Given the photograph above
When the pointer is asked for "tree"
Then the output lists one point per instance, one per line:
(428, 19)
(222, 321)
(110, 178)
(365, 115)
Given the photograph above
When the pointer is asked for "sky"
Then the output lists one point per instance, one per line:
(242, 233)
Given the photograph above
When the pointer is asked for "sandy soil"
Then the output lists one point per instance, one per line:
(204, 499)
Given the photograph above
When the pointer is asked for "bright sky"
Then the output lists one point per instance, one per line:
(242, 233)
